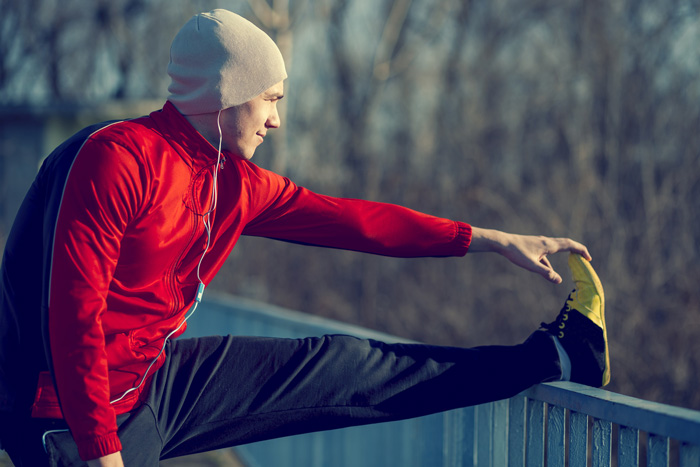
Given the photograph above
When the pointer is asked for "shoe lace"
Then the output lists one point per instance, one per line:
(558, 326)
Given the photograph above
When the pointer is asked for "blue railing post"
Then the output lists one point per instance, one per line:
(578, 439)
(658, 451)
(689, 455)
(484, 434)
(499, 444)
(535, 432)
(516, 431)
(628, 447)
(602, 443)
(556, 436)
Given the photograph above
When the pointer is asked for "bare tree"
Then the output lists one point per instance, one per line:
(567, 117)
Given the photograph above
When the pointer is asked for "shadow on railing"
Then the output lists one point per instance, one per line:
(557, 424)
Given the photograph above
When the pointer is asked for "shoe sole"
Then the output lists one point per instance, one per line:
(583, 270)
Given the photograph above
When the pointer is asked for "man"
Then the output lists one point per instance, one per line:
(127, 222)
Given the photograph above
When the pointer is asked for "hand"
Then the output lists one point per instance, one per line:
(110, 460)
(527, 251)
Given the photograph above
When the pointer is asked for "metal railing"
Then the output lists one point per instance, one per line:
(556, 424)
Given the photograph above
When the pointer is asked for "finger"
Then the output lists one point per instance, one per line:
(553, 277)
(545, 269)
(566, 244)
(586, 254)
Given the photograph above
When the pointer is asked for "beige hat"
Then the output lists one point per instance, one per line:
(219, 60)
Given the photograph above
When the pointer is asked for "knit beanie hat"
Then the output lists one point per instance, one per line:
(219, 60)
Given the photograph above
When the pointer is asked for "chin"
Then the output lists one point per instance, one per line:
(240, 154)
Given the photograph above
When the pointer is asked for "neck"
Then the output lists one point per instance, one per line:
(206, 125)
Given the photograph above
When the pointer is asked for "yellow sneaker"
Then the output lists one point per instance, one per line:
(580, 326)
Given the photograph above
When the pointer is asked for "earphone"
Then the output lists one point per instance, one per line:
(206, 219)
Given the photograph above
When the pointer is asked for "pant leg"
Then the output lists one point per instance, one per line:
(224, 391)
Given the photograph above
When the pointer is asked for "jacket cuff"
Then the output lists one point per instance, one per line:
(97, 446)
(463, 238)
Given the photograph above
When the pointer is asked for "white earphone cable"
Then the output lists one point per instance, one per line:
(206, 219)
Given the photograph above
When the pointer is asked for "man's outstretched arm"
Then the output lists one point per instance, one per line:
(527, 251)
(285, 211)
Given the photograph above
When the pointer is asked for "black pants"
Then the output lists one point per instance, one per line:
(217, 392)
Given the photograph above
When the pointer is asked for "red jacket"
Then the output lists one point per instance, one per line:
(122, 237)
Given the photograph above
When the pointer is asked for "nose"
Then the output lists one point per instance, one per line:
(273, 120)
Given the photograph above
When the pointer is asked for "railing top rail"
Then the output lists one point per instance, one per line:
(661, 419)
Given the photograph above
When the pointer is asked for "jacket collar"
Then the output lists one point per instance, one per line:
(181, 134)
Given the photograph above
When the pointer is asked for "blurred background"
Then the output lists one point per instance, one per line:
(577, 118)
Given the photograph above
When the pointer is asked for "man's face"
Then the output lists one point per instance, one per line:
(244, 126)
